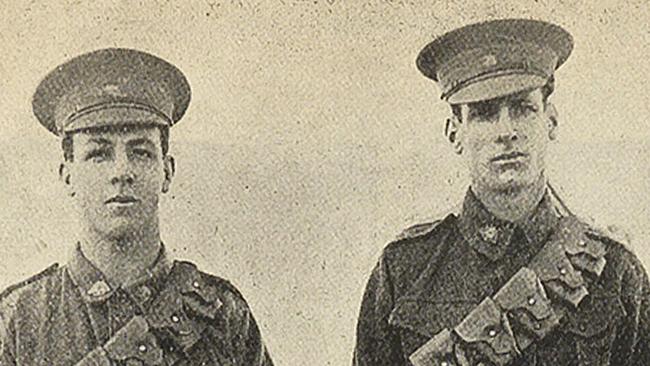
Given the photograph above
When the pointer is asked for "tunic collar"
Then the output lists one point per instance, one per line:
(95, 287)
(491, 236)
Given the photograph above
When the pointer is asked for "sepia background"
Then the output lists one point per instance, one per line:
(312, 140)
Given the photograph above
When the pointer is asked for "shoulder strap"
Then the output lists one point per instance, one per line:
(487, 332)
(418, 230)
(9, 290)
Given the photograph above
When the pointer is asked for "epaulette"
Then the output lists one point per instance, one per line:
(228, 286)
(7, 291)
(609, 233)
(214, 281)
(427, 227)
(418, 230)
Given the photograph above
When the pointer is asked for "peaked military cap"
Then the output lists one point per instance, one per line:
(495, 58)
(110, 87)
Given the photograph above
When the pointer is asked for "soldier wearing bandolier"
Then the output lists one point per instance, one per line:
(512, 277)
(120, 299)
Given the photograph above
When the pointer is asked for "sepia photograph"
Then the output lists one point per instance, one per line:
(325, 182)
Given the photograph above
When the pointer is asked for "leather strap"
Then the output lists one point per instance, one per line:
(527, 308)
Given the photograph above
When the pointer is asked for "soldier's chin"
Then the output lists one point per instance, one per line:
(510, 181)
(121, 229)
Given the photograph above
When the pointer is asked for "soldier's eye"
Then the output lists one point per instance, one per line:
(484, 112)
(143, 153)
(523, 108)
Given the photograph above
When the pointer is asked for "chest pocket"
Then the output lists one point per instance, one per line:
(418, 320)
(593, 327)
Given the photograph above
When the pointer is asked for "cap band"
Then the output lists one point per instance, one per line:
(112, 105)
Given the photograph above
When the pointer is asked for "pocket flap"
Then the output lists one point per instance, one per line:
(594, 315)
(552, 264)
(525, 291)
(487, 324)
(437, 350)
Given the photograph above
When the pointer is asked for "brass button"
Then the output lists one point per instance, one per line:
(145, 292)
(142, 348)
(175, 318)
(582, 243)
(492, 333)
(196, 284)
(531, 301)
(562, 271)
(444, 363)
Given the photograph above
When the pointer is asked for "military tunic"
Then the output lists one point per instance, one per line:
(429, 282)
(173, 315)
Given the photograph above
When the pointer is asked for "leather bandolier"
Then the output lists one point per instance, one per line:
(172, 325)
(527, 308)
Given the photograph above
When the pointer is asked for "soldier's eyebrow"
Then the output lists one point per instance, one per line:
(141, 141)
(484, 108)
(522, 97)
(99, 141)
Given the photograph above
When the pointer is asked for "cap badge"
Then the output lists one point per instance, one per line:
(112, 89)
(489, 234)
(488, 60)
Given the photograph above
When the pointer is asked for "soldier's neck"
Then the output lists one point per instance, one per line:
(515, 204)
(122, 258)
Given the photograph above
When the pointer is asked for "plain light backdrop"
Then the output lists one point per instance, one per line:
(312, 140)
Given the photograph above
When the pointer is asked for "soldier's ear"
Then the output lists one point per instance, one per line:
(452, 133)
(169, 168)
(552, 117)
(65, 178)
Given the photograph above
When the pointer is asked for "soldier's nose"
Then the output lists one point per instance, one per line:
(507, 129)
(127, 178)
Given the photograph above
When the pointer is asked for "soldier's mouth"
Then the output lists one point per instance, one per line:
(515, 155)
(122, 199)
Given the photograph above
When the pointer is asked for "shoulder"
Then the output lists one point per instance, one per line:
(30, 294)
(416, 247)
(212, 288)
(418, 230)
(615, 239)
(32, 285)
(421, 238)
(621, 259)
(227, 289)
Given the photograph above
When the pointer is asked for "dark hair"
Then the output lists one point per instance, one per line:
(66, 142)
(547, 90)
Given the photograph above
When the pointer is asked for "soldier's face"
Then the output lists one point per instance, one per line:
(116, 178)
(505, 140)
